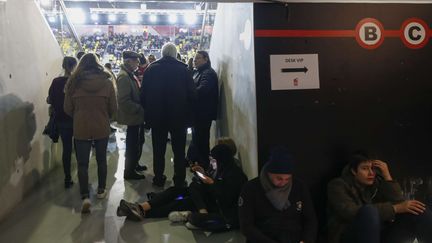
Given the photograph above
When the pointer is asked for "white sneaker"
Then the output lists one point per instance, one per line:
(101, 194)
(85, 207)
(191, 226)
(179, 216)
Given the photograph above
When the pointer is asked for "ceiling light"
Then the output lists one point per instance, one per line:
(94, 17)
(172, 18)
(133, 18)
(153, 18)
(77, 15)
(190, 18)
(112, 17)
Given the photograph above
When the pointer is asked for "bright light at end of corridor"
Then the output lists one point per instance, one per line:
(133, 18)
(94, 17)
(190, 18)
(112, 17)
(153, 18)
(77, 15)
(172, 18)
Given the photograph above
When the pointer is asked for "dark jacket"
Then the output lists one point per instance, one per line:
(260, 222)
(130, 112)
(91, 105)
(346, 197)
(206, 83)
(167, 94)
(221, 197)
(56, 99)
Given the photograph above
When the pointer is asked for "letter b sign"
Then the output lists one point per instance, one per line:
(369, 33)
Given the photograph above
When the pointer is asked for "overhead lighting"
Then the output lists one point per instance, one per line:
(77, 15)
(112, 17)
(133, 18)
(172, 18)
(46, 3)
(52, 19)
(190, 18)
(153, 18)
(94, 17)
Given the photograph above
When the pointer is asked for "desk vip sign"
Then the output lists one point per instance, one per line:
(294, 72)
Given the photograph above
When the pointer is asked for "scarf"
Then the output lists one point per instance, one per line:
(278, 196)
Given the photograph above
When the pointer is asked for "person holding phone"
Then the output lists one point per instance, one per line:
(365, 204)
(209, 203)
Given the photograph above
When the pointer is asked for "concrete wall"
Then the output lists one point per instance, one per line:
(232, 56)
(29, 58)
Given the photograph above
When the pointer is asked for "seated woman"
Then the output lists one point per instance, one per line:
(209, 203)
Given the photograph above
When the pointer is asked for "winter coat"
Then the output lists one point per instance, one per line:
(56, 99)
(167, 94)
(206, 83)
(346, 197)
(130, 112)
(261, 222)
(91, 105)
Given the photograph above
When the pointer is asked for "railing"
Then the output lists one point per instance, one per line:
(57, 17)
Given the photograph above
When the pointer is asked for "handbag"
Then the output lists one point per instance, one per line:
(51, 129)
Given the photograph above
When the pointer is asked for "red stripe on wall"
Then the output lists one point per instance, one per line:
(304, 33)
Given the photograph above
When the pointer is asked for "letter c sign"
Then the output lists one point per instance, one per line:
(414, 33)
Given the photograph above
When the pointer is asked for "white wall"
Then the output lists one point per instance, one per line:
(29, 59)
(232, 56)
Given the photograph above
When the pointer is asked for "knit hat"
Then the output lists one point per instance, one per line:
(280, 161)
(130, 54)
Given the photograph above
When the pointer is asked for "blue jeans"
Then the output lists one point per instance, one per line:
(367, 227)
(83, 156)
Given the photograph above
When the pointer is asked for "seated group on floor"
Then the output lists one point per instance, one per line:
(365, 204)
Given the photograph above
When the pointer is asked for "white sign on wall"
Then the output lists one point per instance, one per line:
(296, 71)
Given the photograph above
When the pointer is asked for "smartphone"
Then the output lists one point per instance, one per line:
(200, 175)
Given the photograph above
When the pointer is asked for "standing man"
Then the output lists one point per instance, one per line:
(365, 204)
(275, 207)
(167, 94)
(206, 83)
(131, 113)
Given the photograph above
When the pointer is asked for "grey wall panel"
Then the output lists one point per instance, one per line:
(29, 58)
(232, 57)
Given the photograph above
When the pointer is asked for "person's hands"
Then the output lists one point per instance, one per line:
(410, 206)
(196, 167)
(207, 180)
(384, 169)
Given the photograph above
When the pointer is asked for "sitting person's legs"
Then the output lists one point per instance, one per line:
(365, 227)
(407, 227)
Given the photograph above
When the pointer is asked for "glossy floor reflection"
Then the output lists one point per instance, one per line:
(52, 214)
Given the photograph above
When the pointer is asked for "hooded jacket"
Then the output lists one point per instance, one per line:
(346, 197)
(91, 104)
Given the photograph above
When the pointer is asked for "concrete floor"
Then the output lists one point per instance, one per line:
(52, 214)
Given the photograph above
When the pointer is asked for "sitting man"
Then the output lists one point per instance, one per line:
(209, 203)
(274, 207)
(366, 205)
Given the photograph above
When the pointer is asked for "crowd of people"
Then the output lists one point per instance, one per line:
(167, 96)
(111, 47)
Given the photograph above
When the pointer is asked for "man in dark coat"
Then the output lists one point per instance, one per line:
(274, 207)
(206, 83)
(167, 95)
(366, 205)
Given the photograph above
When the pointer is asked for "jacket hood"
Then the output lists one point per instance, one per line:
(93, 82)
(204, 66)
